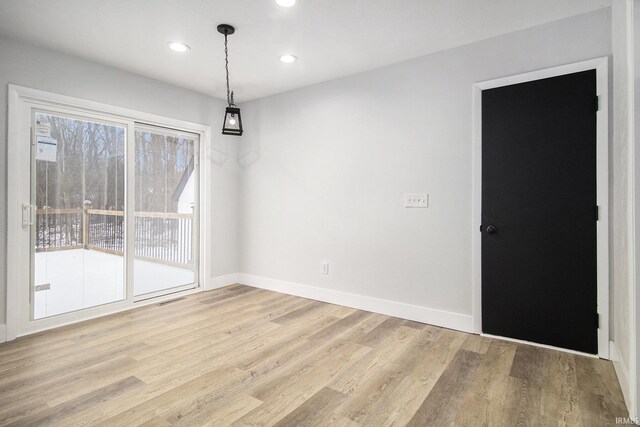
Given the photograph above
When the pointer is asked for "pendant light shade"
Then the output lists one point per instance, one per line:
(232, 124)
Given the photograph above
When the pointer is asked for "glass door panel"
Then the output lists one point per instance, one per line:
(166, 206)
(78, 177)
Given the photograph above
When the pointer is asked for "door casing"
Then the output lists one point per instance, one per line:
(601, 66)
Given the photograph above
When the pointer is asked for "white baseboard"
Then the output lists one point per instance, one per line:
(222, 281)
(427, 315)
(3, 333)
(623, 376)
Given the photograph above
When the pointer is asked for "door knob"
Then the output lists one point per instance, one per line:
(491, 229)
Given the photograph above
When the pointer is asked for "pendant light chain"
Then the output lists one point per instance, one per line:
(232, 124)
(226, 67)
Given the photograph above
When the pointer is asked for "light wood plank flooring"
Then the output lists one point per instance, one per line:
(245, 356)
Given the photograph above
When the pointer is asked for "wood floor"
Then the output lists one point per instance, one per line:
(245, 356)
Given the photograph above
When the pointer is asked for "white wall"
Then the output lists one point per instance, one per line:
(622, 267)
(30, 66)
(325, 169)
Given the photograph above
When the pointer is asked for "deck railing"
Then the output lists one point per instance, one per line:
(159, 236)
(58, 229)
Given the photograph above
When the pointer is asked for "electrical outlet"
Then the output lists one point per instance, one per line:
(325, 267)
(416, 200)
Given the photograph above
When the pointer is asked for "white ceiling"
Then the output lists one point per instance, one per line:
(332, 38)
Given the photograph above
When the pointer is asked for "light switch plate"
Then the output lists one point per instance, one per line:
(416, 200)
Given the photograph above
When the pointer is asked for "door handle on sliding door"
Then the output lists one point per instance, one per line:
(28, 215)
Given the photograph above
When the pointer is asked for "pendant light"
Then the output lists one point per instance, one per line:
(232, 124)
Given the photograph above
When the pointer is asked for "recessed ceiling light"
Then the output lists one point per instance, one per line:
(179, 47)
(288, 59)
(286, 3)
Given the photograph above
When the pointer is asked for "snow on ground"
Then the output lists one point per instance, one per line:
(82, 278)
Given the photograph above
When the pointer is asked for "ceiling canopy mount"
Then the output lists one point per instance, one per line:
(226, 29)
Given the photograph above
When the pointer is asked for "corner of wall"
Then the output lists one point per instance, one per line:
(222, 281)
(624, 241)
(622, 372)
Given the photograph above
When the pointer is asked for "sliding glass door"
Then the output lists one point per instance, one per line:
(86, 183)
(166, 206)
(78, 189)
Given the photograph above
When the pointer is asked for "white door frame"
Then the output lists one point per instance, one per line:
(21, 102)
(602, 176)
(633, 36)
